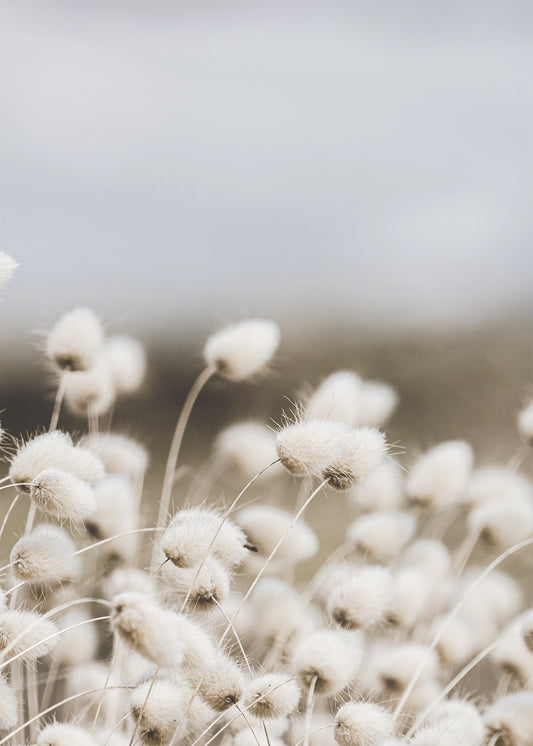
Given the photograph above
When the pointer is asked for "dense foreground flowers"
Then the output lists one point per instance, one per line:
(116, 630)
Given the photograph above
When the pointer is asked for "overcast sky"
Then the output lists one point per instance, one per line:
(166, 162)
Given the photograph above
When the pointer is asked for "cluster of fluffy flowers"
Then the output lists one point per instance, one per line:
(204, 626)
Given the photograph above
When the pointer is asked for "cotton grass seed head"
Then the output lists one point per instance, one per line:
(45, 557)
(60, 494)
(501, 523)
(361, 599)
(240, 351)
(510, 719)
(493, 482)
(337, 398)
(65, 734)
(204, 588)
(273, 695)
(223, 685)
(45, 451)
(362, 724)
(147, 628)
(382, 535)
(21, 630)
(330, 657)
(265, 525)
(377, 403)
(359, 455)
(118, 453)
(381, 490)
(114, 515)
(75, 341)
(440, 477)
(308, 448)
(246, 448)
(158, 707)
(90, 391)
(126, 359)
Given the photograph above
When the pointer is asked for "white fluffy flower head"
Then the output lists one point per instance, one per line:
(240, 351)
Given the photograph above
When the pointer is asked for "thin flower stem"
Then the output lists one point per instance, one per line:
(54, 707)
(236, 636)
(148, 693)
(248, 723)
(177, 439)
(60, 394)
(270, 557)
(50, 637)
(309, 710)
(224, 519)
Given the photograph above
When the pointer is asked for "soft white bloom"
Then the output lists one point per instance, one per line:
(397, 665)
(513, 656)
(45, 451)
(409, 596)
(381, 490)
(79, 645)
(147, 628)
(126, 359)
(223, 685)
(377, 402)
(359, 455)
(361, 599)
(511, 718)
(195, 533)
(502, 522)
(247, 448)
(382, 535)
(204, 588)
(273, 695)
(45, 557)
(308, 448)
(240, 351)
(114, 515)
(33, 631)
(497, 482)
(90, 391)
(337, 398)
(118, 453)
(330, 657)
(76, 340)
(65, 734)
(264, 525)
(362, 724)
(62, 495)
(429, 555)
(440, 477)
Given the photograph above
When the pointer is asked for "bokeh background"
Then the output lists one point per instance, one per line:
(358, 171)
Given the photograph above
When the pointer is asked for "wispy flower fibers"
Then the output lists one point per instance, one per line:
(76, 340)
(126, 359)
(382, 535)
(308, 448)
(362, 724)
(45, 451)
(21, 630)
(440, 477)
(202, 588)
(381, 490)
(328, 657)
(60, 494)
(240, 351)
(510, 719)
(222, 686)
(359, 455)
(360, 600)
(377, 403)
(337, 398)
(45, 557)
(273, 695)
(90, 391)
(264, 526)
(65, 734)
(114, 514)
(247, 448)
(7, 268)
(119, 453)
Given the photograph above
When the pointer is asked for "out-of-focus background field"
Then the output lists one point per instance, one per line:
(360, 172)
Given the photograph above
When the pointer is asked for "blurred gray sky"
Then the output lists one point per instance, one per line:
(171, 163)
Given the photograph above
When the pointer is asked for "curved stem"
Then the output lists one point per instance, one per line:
(224, 519)
(236, 636)
(309, 710)
(148, 693)
(457, 608)
(60, 394)
(6, 518)
(177, 438)
(55, 706)
(270, 557)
